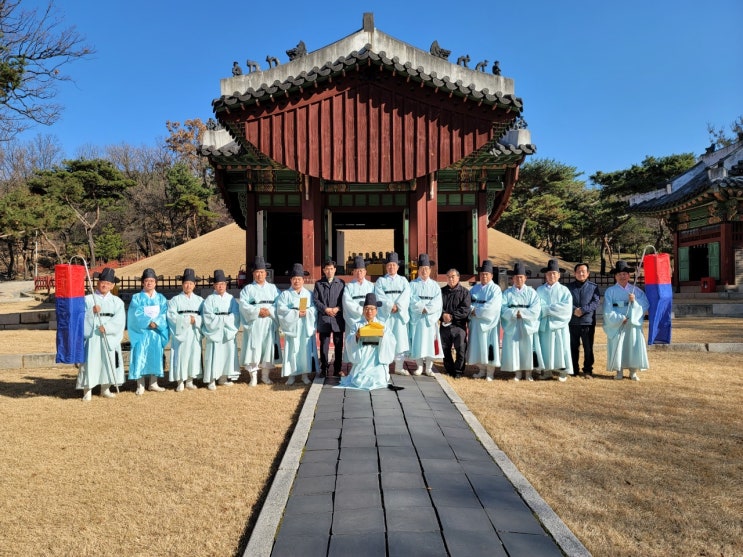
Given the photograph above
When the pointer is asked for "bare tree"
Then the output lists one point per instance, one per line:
(19, 160)
(35, 46)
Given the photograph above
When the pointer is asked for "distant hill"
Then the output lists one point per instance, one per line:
(224, 249)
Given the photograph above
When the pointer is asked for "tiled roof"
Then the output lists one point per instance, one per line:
(699, 188)
(353, 62)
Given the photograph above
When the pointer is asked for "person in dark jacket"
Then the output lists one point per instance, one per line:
(586, 297)
(328, 300)
(456, 309)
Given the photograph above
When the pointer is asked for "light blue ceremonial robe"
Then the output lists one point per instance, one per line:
(520, 340)
(554, 334)
(353, 307)
(395, 291)
(260, 334)
(483, 328)
(625, 348)
(424, 327)
(148, 345)
(185, 348)
(220, 322)
(300, 344)
(103, 364)
(370, 369)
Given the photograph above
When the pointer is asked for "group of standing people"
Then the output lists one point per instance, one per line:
(541, 330)
(371, 326)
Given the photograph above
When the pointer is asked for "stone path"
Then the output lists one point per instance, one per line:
(407, 472)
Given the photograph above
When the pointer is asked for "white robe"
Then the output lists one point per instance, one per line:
(260, 334)
(425, 341)
(520, 340)
(103, 364)
(554, 334)
(185, 348)
(221, 320)
(353, 308)
(395, 291)
(300, 343)
(625, 348)
(370, 368)
(483, 328)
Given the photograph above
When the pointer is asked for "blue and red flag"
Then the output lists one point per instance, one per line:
(660, 295)
(70, 302)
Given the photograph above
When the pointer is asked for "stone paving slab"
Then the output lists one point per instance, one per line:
(407, 472)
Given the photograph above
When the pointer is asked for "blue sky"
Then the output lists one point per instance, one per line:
(604, 84)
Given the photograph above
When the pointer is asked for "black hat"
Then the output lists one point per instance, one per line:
(487, 267)
(328, 261)
(260, 263)
(359, 263)
(371, 300)
(107, 275)
(188, 275)
(149, 273)
(519, 269)
(392, 257)
(552, 265)
(424, 261)
(298, 271)
(622, 267)
(219, 276)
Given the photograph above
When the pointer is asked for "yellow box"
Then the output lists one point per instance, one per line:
(303, 304)
(372, 330)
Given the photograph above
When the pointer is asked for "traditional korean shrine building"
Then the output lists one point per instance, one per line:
(367, 133)
(703, 207)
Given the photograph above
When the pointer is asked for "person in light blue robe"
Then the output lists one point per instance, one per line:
(393, 290)
(184, 320)
(353, 299)
(425, 311)
(148, 333)
(625, 306)
(483, 343)
(220, 315)
(554, 333)
(520, 314)
(370, 358)
(260, 324)
(298, 325)
(105, 320)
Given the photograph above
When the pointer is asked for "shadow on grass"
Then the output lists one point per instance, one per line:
(59, 387)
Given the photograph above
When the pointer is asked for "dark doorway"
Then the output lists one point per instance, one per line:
(698, 262)
(455, 242)
(283, 242)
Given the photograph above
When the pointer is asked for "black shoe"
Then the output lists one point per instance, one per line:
(392, 387)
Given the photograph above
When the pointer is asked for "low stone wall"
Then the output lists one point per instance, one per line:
(38, 319)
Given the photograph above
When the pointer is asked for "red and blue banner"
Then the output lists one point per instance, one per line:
(658, 289)
(70, 303)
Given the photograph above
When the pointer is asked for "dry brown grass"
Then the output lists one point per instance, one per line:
(653, 468)
(162, 474)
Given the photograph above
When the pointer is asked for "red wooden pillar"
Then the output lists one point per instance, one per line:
(482, 226)
(312, 222)
(251, 231)
(418, 219)
(727, 265)
(432, 221)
